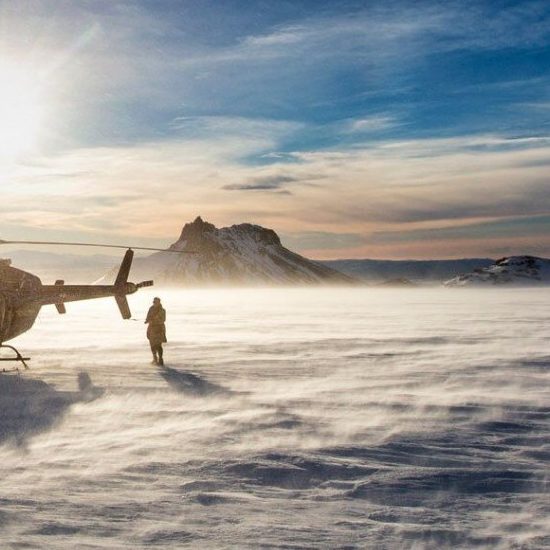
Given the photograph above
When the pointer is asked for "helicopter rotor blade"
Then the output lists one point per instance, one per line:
(62, 243)
(123, 306)
(124, 271)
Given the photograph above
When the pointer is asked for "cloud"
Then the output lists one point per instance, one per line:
(395, 195)
(289, 35)
(541, 106)
(372, 123)
(264, 183)
(321, 240)
(224, 127)
(421, 181)
(531, 226)
(396, 30)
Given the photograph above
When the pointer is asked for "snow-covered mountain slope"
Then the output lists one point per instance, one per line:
(515, 270)
(240, 254)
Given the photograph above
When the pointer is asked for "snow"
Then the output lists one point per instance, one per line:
(303, 418)
(514, 270)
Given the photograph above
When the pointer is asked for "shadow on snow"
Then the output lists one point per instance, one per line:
(29, 406)
(189, 383)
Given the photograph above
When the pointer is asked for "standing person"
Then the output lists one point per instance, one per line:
(156, 331)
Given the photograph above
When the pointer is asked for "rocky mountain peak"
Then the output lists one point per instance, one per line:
(199, 232)
(240, 254)
(529, 261)
(195, 229)
(258, 233)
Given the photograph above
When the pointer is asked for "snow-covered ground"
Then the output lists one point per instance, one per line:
(357, 418)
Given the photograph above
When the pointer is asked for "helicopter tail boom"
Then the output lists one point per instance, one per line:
(59, 293)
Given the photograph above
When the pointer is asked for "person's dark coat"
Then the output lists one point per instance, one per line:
(156, 329)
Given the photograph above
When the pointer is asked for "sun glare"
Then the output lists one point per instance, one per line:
(20, 110)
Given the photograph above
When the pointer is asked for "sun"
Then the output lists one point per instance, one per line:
(20, 110)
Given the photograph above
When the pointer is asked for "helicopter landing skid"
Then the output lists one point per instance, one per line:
(18, 357)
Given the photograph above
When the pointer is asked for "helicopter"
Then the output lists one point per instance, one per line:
(22, 294)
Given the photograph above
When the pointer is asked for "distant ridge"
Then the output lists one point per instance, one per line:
(513, 270)
(243, 254)
(434, 271)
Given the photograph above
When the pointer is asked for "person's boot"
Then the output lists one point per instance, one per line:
(155, 360)
(161, 360)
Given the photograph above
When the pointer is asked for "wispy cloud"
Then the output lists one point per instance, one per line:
(263, 183)
(372, 123)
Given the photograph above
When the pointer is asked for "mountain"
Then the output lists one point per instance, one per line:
(401, 282)
(240, 254)
(514, 270)
(434, 271)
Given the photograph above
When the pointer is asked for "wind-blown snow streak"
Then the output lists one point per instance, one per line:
(311, 418)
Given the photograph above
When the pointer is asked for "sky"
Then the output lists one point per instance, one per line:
(373, 129)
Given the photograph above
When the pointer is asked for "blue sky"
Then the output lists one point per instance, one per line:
(354, 129)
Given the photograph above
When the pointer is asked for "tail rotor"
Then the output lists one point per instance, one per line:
(123, 287)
